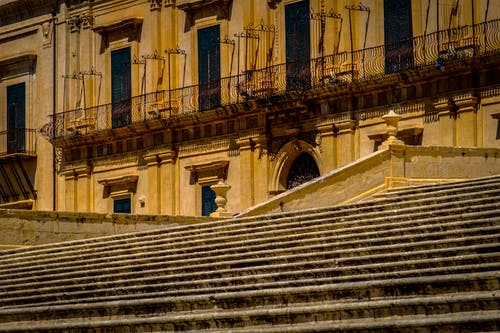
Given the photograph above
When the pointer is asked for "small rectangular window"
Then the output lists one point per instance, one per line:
(208, 205)
(122, 205)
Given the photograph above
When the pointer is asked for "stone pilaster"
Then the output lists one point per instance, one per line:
(467, 128)
(153, 200)
(77, 189)
(83, 191)
(447, 122)
(69, 190)
(168, 204)
(261, 168)
(345, 147)
(247, 195)
(327, 142)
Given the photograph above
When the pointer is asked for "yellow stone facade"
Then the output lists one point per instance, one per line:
(256, 111)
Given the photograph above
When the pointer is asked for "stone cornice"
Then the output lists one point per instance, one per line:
(194, 5)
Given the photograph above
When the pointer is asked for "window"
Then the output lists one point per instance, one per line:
(16, 118)
(297, 41)
(209, 67)
(121, 89)
(208, 205)
(303, 169)
(397, 35)
(122, 205)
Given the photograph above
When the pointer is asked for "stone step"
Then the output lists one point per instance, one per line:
(240, 224)
(359, 242)
(469, 184)
(419, 193)
(328, 240)
(313, 276)
(166, 242)
(346, 249)
(368, 266)
(292, 314)
(397, 288)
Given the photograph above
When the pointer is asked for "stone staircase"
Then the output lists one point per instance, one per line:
(419, 259)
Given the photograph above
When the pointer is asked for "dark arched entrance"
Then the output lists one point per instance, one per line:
(303, 169)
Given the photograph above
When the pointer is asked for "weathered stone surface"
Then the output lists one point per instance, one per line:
(422, 258)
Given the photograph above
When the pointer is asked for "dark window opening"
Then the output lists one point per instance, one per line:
(16, 118)
(397, 35)
(209, 68)
(121, 88)
(122, 205)
(298, 53)
(208, 205)
(303, 169)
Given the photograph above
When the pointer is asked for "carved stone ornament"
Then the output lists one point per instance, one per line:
(273, 3)
(74, 22)
(46, 30)
(156, 4)
(87, 21)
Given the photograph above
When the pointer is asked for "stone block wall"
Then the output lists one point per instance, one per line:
(27, 228)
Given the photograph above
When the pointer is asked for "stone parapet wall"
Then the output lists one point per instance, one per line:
(399, 165)
(27, 228)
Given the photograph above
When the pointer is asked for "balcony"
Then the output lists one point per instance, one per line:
(18, 142)
(164, 108)
(17, 150)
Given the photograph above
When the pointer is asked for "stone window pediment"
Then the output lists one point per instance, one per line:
(126, 28)
(23, 63)
(117, 186)
(194, 5)
(208, 172)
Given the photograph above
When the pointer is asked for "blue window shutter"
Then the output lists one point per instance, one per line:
(121, 87)
(298, 48)
(207, 201)
(16, 117)
(209, 67)
(122, 205)
(397, 35)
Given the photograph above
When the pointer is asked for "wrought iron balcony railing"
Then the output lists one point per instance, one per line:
(18, 141)
(433, 49)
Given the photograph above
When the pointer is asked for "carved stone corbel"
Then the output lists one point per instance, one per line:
(156, 4)
(273, 4)
(87, 21)
(74, 22)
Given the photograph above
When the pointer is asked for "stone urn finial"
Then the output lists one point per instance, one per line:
(220, 190)
(391, 119)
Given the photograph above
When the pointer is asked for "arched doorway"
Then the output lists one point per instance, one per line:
(303, 169)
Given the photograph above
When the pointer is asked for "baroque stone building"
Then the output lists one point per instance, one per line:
(147, 107)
